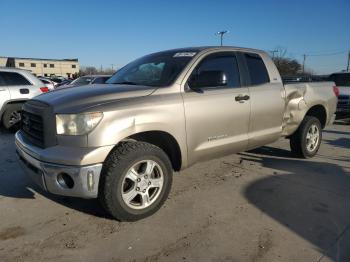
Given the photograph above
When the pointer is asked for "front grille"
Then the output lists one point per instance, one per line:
(33, 127)
(342, 103)
(38, 124)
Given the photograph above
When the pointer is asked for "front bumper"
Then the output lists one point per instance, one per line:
(66, 180)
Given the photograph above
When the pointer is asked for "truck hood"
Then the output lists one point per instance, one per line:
(344, 90)
(81, 98)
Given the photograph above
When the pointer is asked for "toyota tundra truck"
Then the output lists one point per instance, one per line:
(120, 142)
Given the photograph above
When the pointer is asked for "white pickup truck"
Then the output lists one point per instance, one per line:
(121, 141)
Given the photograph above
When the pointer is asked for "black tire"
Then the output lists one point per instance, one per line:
(298, 141)
(8, 116)
(115, 168)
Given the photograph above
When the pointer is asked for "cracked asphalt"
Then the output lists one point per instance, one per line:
(262, 205)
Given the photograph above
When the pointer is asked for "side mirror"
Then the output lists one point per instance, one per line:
(208, 79)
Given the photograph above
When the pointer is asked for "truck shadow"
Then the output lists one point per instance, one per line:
(336, 132)
(310, 198)
(14, 183)
(340, 142)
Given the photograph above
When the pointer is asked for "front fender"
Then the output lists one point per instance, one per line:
(155, 115)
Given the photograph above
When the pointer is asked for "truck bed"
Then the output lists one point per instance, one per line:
(299, 97)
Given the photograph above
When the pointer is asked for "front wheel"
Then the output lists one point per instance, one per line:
(135, 181)
(306, 141)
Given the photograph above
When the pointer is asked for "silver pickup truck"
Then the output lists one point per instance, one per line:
(121, 142)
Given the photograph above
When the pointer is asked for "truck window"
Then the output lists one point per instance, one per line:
(341, 79)
(257, 69)
(226, 63)
(13, 79)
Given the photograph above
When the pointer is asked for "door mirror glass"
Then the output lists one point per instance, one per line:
(208, 79)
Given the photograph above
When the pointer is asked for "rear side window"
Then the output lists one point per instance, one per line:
(13, 79)
(257, 69)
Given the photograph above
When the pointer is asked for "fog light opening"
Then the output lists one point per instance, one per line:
(65, 180)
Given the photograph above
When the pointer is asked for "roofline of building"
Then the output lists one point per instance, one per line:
(42, 59)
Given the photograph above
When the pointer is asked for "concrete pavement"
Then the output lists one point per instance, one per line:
(262, 205)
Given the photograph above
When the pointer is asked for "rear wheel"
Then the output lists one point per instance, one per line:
(135, 181)
(306, 141)
(12, 116)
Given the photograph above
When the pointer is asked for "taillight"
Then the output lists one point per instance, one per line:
(336, 91)
(44, 89)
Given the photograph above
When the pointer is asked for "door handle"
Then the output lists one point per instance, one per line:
(242, 98)
(2, 89)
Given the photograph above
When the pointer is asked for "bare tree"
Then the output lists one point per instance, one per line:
(91, 70)
(286, 65)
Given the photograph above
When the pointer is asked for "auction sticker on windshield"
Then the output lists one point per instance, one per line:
(185, 54)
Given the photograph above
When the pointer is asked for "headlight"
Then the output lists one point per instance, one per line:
(77, 124)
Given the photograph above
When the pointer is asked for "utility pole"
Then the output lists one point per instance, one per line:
(112, 66)
(347, 68)
(221, 34)
(304, 58)
(273, 53)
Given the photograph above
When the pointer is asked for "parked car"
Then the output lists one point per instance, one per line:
(16, 87)
(342, 80)
(47, 82)
(87, 80)
(63, 82)
(166, 111)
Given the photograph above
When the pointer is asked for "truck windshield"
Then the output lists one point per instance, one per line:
(341, 79)
(159, 69)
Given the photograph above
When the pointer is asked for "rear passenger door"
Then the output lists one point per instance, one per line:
(267, 103)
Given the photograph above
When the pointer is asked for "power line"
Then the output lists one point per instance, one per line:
(322, 54)
(329, 54)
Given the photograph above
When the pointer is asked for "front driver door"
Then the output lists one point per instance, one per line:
(217, 117)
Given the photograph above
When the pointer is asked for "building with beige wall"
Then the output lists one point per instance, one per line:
(43, 67)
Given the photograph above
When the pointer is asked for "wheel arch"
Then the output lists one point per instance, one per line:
(163, 140)
(320, 112)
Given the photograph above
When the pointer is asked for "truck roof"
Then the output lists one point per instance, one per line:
(203, 48)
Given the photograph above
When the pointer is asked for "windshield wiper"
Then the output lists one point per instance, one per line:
(126, 83)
